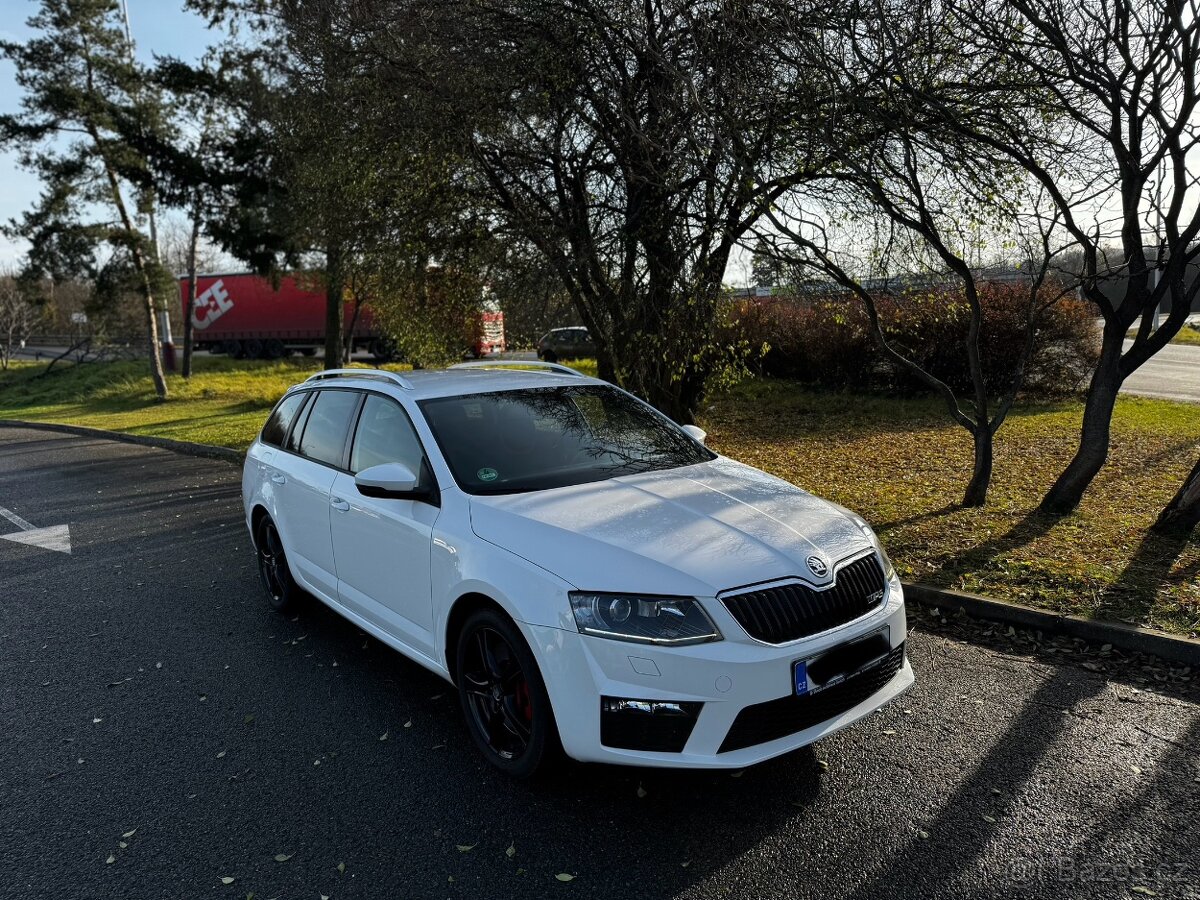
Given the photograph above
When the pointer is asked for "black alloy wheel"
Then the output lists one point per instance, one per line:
(503, 696)
(277, 580)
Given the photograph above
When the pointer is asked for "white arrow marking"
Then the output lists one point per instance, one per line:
(56, 537)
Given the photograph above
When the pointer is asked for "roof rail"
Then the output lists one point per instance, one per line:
(362, 373)
(518, 364)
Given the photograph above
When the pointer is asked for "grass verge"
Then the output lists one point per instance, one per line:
(898, 463)
(895, 460)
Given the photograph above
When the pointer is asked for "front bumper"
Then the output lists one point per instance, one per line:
(726, 676)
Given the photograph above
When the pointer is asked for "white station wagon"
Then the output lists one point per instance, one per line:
(588, 574)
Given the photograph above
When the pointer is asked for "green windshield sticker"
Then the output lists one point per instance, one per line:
(487, 474)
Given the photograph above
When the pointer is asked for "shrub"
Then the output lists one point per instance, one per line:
(828, 340)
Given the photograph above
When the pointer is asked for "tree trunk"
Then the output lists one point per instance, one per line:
(188, 328)
(1092, 453)
(981, 476)
(335, 303)
(157, 375)
(1182, 514)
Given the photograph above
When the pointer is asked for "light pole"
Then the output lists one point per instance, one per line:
(164, 317)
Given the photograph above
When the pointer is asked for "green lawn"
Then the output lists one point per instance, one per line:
(1188, 334)
(895, 460)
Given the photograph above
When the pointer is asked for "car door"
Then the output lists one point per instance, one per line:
(382, 545)
(302, 477)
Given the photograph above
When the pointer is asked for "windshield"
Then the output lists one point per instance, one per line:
(514, 441)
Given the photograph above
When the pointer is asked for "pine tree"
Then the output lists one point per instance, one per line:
(87, 113)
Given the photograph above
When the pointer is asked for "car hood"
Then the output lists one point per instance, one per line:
(697, 530)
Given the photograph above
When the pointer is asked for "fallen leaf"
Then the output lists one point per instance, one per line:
(1137, 770)
(922, 834)
(111, 859)
(685, 864)
(408, 724)
(221, 755)
(248, 720)
(1143, 890)
(641, 791)
(563, 876)
(283, 857)
(738, 774)
(464, 848)
(341, 868)
(127, 834)
(511, 851)
(383, 737)
(824, 765)
(158, 665)
(97, 721)
(889, 732)
(122, 844)
(226, 879)
(989, 819)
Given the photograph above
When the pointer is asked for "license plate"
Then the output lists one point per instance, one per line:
(835, 665)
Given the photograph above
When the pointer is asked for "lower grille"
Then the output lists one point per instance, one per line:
(792, 611)
(774, 719)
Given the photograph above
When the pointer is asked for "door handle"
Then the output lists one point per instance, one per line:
(279, 478)
(339, 504)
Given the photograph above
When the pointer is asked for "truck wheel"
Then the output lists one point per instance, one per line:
(252, 348)
(273, 349)
(232, 349)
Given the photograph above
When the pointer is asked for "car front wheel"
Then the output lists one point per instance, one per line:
(503, 696)
(282, 590)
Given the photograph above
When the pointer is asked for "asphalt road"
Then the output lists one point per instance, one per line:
(164, 729)
(1173, 373)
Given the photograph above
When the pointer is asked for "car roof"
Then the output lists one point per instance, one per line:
(426, 384)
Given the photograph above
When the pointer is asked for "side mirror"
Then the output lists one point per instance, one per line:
(390, 480)
(695, 432)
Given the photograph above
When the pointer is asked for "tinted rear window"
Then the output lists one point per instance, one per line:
(277, 426)
(327, 426)
(528, 440)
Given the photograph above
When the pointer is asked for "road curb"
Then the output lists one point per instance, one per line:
(1125, 637)
(191, 449)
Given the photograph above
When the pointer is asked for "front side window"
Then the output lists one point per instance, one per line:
(385, 435)
(528, 440)
(327, 426)
(277, 426)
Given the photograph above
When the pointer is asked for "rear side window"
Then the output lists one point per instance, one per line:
(385, 435)
(277, 426)
(327, 426)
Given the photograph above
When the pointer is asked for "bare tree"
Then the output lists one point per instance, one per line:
(1117, 82)
(17, 317)
(905, 194)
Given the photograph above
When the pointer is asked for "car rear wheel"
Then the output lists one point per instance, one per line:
(503, 696)
(282, 590)
(550, 356)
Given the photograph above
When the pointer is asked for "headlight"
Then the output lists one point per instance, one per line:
(889, 570)
(646, 620)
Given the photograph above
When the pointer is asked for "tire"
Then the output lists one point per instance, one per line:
(550, 356)
(232, 349)
(252, 348)
(503, 696)
(273, 349)
(282, 590)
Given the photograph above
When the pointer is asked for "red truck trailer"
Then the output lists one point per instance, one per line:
(246, 316)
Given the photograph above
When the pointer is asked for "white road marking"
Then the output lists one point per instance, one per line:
(55, 537)
(15, 519)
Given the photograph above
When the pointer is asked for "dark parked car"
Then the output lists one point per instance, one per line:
(565, 343)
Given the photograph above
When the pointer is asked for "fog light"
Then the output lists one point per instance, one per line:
(662, 726)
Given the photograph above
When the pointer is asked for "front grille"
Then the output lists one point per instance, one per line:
(774, 719)
(791, 611)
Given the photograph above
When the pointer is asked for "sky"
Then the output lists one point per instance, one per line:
(159, 27)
